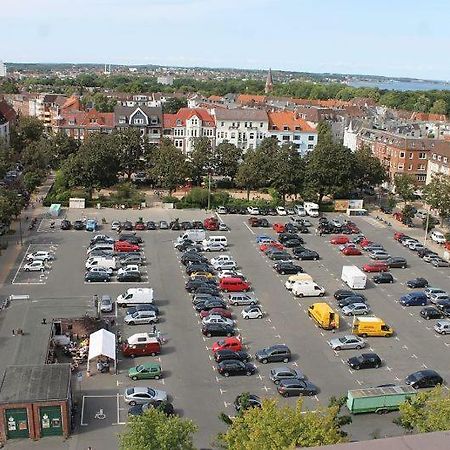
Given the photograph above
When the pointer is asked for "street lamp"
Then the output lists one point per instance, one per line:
(20, 224)
(209, 189)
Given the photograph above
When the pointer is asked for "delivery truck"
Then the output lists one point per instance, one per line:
(379, 399)
(324, 316)
(371, 326)
(134, 296)
(354, 277)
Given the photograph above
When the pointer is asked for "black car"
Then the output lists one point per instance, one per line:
(217, 329)
(202, 298)
(199, 267)
(175, 225)
(303, 229)
(97, 277)
(304, 254)
(66, 225)
(291, 243)
(151, 225)
(129, 276)
(275, 353)
(246, 400)
(443, 305)
(127, 226)
(143, 307)
(287, 268)
(429, 312)
(403, 238)
(235, 367)
(191, 257)
(264, 223)
(131, 238)
(424, 379)
(357, 298)
(195, 283)
(343, 293)
(297, 250)
(397, 262)
(294, 387)
(283, 237)
(290, 228)
(425, 251)
(197, 225)
(279, 255)
(417, 283)
(207, 289)
(139, 409)
(207, 305)
(222, 355)
(185, 225)
(78, 225)
(365, 361)
(383, 277)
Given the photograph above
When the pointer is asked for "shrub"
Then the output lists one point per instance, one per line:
(170, 199)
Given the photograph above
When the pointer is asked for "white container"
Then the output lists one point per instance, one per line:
(354, 277)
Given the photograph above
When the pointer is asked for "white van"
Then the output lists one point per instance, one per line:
(307, 289)
(297, 278)
(134, 296)
(220, 239)
(300, 210)
(437, 237)
(101, 261)
(102, 246)
(193, 235)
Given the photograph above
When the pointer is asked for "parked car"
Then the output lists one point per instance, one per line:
(439, 296)
(218, 311)
(246, 400)
(416, 298)
(252, 312)
(143, 307)
(442, 326)
(78, 225)
(430, 312)
(217, 329)
(253, 210)
(65, 224)
(432, 290)
(417, 283)
(351, 251)
(365, 361)
(357, 298)
(338, 240)
(213, 247)
(280, 373)
(129, 276)
(347, 343)
(383, 277)
(141, 317)
(375, 267)
(287, 267)
(145, 371)
(230, 343)
(217, 318)
(274, 353)
(440, 262)
(343, 293)
(241, 299)
(222, 355)
(304, 254)
(35, 266)
(141, 395)
(424, 379)
(294, 387)
(40, 256)
(355, 309)
(231, 367)
(97, 277)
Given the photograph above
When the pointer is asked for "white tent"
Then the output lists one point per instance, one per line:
(102, 343)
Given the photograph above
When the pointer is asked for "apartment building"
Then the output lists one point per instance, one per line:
(245, 128)
(399, 154)
(439, 160)
(289, 128)
(186, 125)
(7, 119)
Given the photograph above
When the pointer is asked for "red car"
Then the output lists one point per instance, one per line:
(375, 267)
(398, 235)
(229, 343)
(140, 226)
(339, 240)
(274, 244)
(253, 221)
(125, 246)
(218, 311)
(351, 251)
(279, 227)
(211, 224)
(365, 242)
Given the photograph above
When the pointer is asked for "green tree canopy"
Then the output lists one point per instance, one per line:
(153, 430)
(226, 159)
(439, 107)
(130, 150)
(248, 175)
(27, 130)
(426, 412)
(369, 169)
(405, 186)
(173, 104)
(201, 159)
(437, 194)
(279, 428)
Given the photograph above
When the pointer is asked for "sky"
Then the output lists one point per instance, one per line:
(392, 38)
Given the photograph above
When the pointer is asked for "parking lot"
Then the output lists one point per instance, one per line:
(189, 372)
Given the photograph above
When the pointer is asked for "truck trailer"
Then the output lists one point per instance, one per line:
(354, 277)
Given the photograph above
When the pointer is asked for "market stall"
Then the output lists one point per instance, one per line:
(102, 349)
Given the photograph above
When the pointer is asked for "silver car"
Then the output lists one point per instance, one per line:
(355, 309)
(285, 372)
(379, 255)
(106, 304)
(439, 262)
(347, 342)
(140, 395)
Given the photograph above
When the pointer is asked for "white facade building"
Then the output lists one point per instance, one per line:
(2, 69)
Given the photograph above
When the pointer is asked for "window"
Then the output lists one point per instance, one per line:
(422, 155)
(285, 128)
(250, 124)
(138, 121)
(410, 167)
(411, 155)
(445, 159)
(310, 146)
(297, 128)
(439, 157)
(297, 146)
(233, 135)
(421, 167)
(286, 138)
(245, 125)
(122, 119)
(421, 177)
(310, 138)
(178, 123)
(297, 137)
(222, 124)
(273, 135)
(402, 154)
(261, 124)
(401, 166)
(434, 155)
(155, 131)
(179, 143)
(251, 136)
(154, 120)
(233, 124)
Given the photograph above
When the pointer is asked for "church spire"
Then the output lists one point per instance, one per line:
(269, 82)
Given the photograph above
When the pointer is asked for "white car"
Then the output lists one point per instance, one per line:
(281, 211)
(355, 309)
(253, 210)
(221, 258)
(349, 244)
(408, 242)
(40, 256)
(252, 312)
(306, 223)
(107, 270)
(437, 237)
(34, 266)
(216, 318)
(213, 247)
(115, 226)
(337, 223)
(221, 210)
(415, 246)
(106, 304)
(432, 290)
(129, 268)
(225, 265)
(229, 274)
(223, 226)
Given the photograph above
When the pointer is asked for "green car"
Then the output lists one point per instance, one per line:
(145, 371)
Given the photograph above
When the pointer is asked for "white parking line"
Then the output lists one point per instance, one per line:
(251, 231)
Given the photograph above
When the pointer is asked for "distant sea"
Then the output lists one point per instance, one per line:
(402, 85)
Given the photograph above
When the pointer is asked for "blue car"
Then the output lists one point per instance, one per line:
(91, 225)
(262, 238)
(414, 299)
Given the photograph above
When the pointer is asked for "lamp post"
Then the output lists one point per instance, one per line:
(426, 226)
(20, 224)
(209, 189)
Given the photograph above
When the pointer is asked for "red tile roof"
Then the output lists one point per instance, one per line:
(425, 117)
(170, 120)
(73, 103)
(90, 119)
(7, 111)
(245, 99)
(278, 120)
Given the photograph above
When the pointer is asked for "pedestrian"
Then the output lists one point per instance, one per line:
(154, 329)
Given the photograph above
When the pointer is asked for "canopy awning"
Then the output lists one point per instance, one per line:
(102, 343)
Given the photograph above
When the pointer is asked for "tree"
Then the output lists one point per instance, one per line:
(130, 150)
(426, 412)
(369, 172)
(288, 173)
(272, 428)
(94, 166)
(173, 104)
(439, 107)
(63, 147)
(226, 159)
(201, 159)
(330, 168)
(154, 430)
(170, 168)
(422, 103)
(38, 155)
(437, 194)
(247, 175)
(28, 129)
(405, 186)
(323, 130)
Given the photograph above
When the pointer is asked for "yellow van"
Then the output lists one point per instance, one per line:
(299, 277)
(324, 316)
(371, 326)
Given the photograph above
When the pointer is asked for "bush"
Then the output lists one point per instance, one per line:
(31, 180)
(224, 183)
(170, 199)
(197, 197)
(327, 207)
